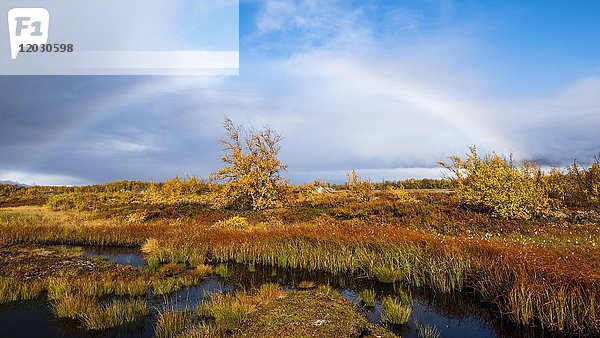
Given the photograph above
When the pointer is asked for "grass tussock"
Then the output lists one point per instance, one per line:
(172, 323)
(268, 293)
(97, 316)
(126, 282)
(114, 313)
(150, 246)
(427, 331)
(327, 291)
(230, 310)
(203, 270)
(163, 286)
(388, 275)
(73, 306)
(306, 284)
(223, 271)
(394, 311)
(367, 297)
(100, 284)
(201, 330)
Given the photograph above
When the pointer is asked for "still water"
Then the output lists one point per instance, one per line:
(456, 315)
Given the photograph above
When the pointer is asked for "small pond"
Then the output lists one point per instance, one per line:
(456, 315)
(117, 255)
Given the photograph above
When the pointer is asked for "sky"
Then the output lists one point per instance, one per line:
(388, 88)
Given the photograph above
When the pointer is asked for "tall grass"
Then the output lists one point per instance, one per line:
(115, 313)
(96, 316)
(477, 266)
(73, 306)
(171, 323)
(554, 286)
(134, 283)
(12, 289)
(99, 284)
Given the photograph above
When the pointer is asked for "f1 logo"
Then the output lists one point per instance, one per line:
(27, 26)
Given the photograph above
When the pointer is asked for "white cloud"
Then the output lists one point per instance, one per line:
(389, 104)
(277, 15)
(35, 178)
(121, 146)
(375, 175)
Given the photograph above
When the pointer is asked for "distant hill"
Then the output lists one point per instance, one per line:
(14, 183)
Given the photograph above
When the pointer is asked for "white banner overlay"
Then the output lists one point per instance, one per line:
(125, 37)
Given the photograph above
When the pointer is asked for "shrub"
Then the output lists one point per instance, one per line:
(177, 190)
(399, 193)
(498, 186)
(252, 173)
(577, 186)
(357, 187)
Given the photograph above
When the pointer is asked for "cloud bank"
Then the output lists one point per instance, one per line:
(385, 89)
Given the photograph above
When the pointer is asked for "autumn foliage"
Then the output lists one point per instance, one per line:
(577, 186)
(498, 186)
(251, 178)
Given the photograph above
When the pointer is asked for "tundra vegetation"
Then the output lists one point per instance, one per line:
(522, 241)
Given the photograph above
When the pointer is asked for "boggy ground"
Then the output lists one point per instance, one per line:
(543, 273)
(91, 291)
(33, 262)
(310, 314)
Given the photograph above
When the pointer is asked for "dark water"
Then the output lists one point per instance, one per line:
(35, 319)
(455, 315)
(123, 256)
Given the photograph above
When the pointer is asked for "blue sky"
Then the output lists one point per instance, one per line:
(386, 87)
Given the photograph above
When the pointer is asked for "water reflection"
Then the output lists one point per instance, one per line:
(456, 315)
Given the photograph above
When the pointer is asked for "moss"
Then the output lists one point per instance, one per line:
(38, 262)
(309, 314)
